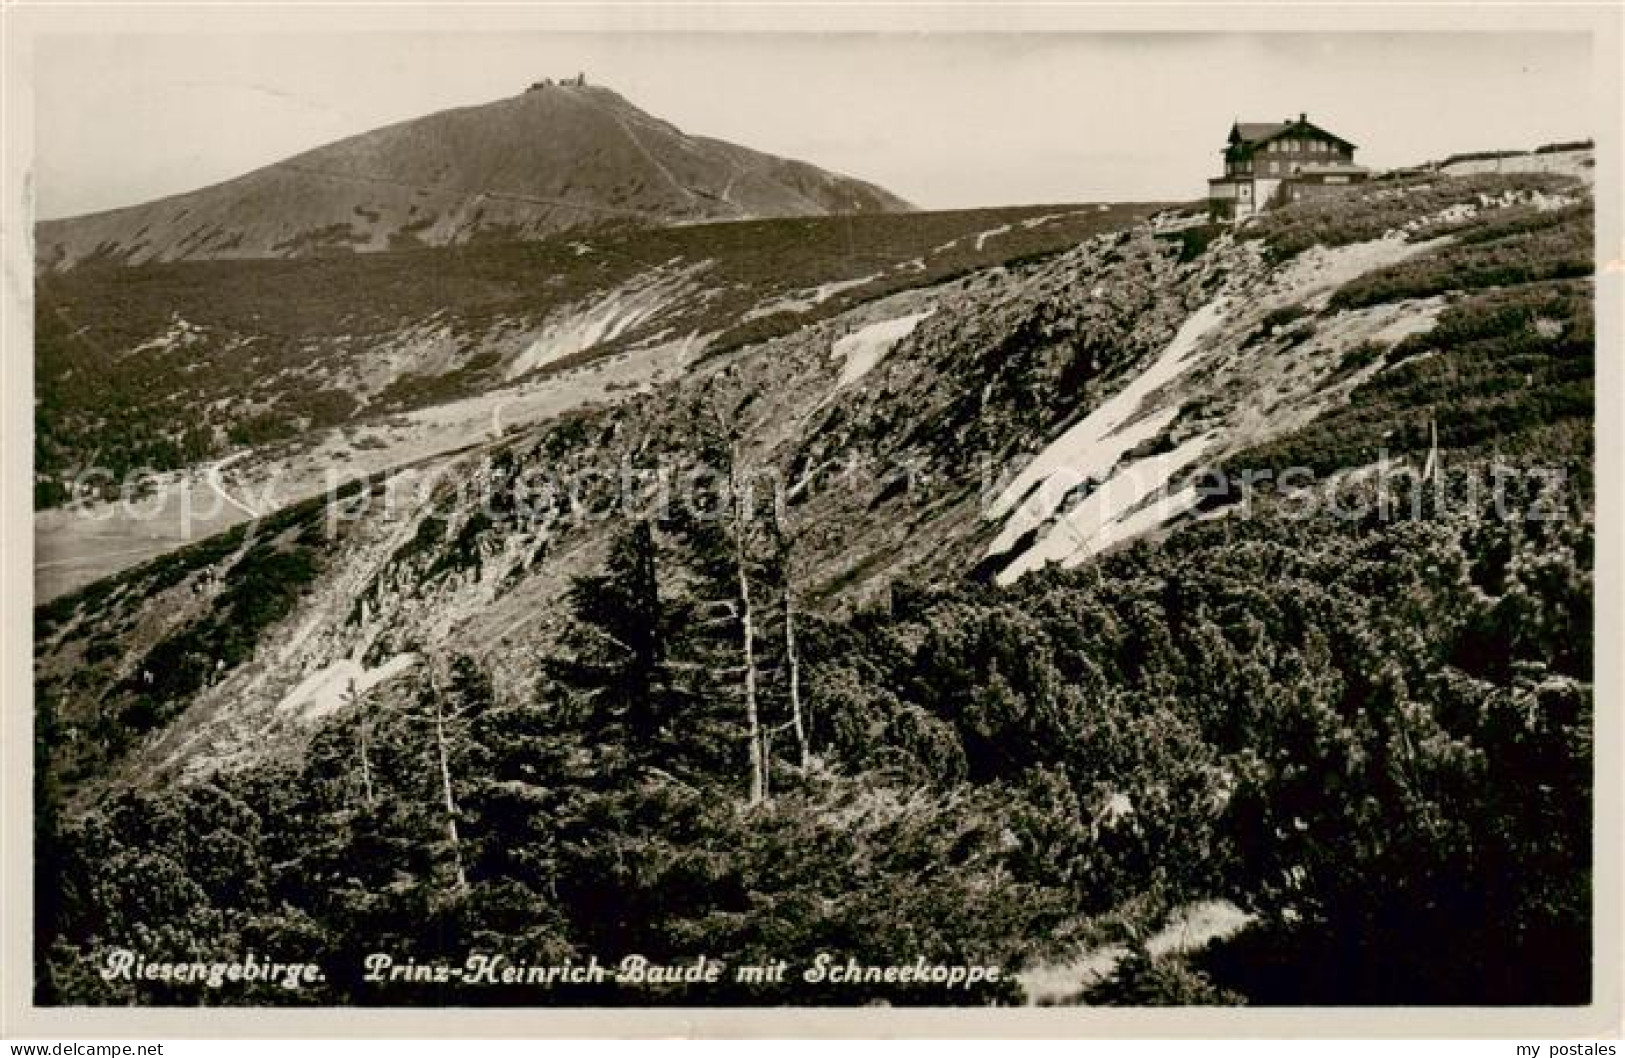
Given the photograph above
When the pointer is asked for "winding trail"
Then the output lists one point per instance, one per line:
(652, 160)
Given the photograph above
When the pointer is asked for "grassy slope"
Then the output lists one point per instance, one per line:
(275, 336)
(1509, 366)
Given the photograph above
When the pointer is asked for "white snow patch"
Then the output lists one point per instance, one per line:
(608, 319)
(1092, 447)
(1113, 513)
(829, 290)
(1421, 321)
(181, 333)
(803, 300)
(991, 233)
(1173, 220)
(1189, 929)
(1464, 211)
(565, 334)
(1086, 452)
(678, 352)
(328, 690)
(1034, 222)
(1144, 519)
(864, 348)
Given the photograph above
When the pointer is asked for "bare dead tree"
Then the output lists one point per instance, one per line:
(444, 757)
(740, 529)
(747, 625)
(364, 732)
(1430, 468)
(792, 659)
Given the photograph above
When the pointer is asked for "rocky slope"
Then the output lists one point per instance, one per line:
(555, 158)
(292, 369)
(987, 426)
(1066, 683)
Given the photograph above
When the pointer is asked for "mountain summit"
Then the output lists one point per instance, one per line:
(558, 157)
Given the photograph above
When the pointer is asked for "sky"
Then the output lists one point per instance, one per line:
(944, 120)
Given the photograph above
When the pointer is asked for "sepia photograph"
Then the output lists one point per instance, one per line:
(598, 517)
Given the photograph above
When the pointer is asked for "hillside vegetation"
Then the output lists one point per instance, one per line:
(862, 721)
(166, 366)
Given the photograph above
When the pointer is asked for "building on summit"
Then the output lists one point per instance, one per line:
(1272, 163)
(578, 81)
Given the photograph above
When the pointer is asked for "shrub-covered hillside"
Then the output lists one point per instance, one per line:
(163, 366)
(1363, 733)
(1346, 728)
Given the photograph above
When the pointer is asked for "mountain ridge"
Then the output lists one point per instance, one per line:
(552, 159)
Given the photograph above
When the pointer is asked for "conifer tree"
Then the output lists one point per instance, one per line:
(620, 663)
